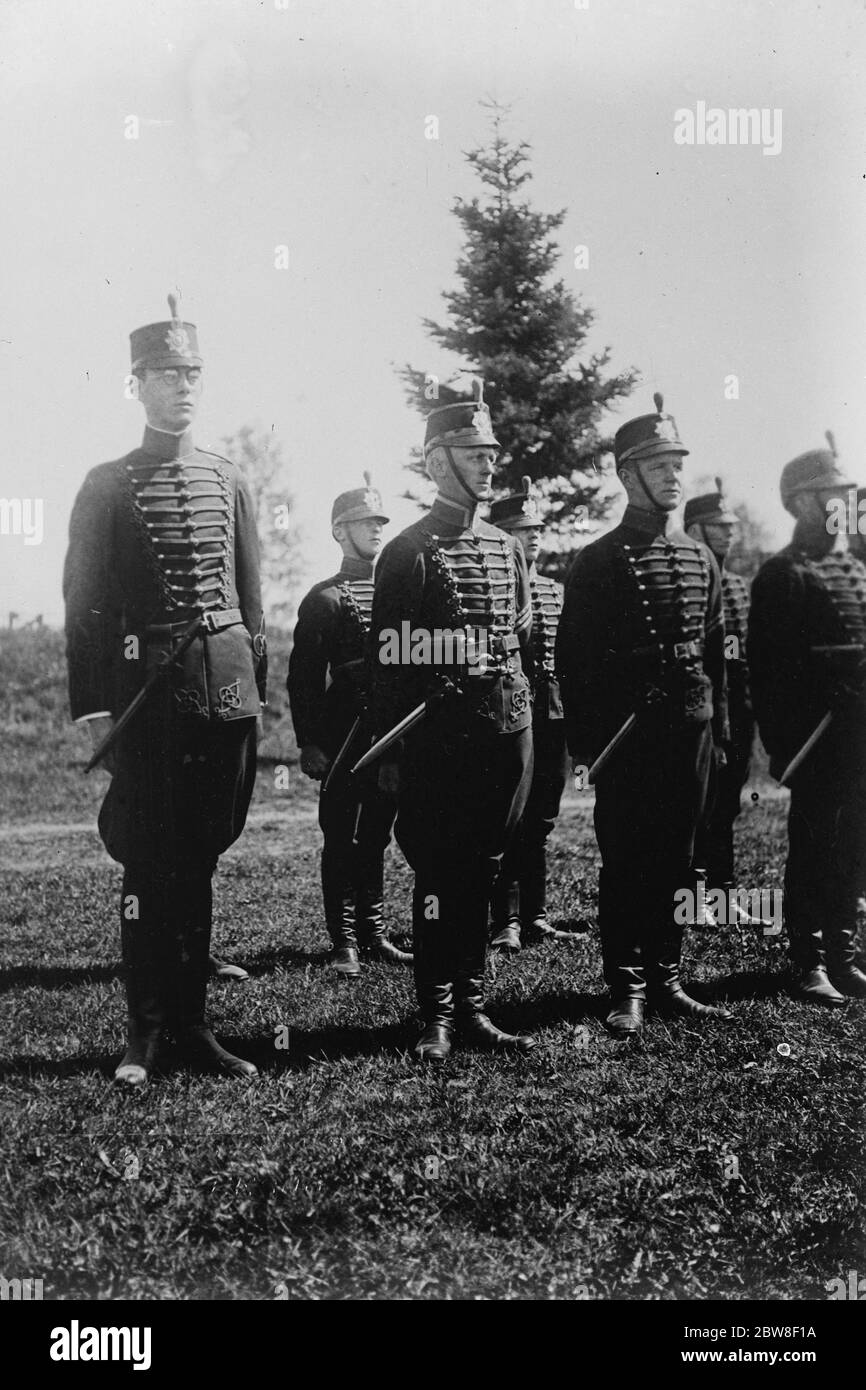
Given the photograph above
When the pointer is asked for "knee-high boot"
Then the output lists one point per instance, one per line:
(433, 967)
(193, 901)
(140, 939)
(473, 1025)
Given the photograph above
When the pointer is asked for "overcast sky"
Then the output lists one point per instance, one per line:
(262, 126)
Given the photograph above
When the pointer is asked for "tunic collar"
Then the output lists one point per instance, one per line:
(356, 568)
(164, 445)
(449, 515)
(649, 524)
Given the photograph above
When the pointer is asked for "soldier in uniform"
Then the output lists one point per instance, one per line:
(163, 545)
(520, 894)
(462, 776)
(708, 519)
(807, 630)
(328, 697)
(642, 634)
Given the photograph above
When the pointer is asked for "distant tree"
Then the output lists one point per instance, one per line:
(524, 335)
(260, 457)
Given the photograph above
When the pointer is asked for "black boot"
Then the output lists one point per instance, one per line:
(668, 996)
(437, 1005)
(370, 921)
(540, 929)
(814, 987)
(192, 931)
(626, 1017)
(505, 907)
(841, 956)
(223, 970)
(476, 1029)
(145, 1007)
(339, 898)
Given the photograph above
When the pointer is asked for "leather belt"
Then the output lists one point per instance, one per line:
(680, 651)
(212, 621)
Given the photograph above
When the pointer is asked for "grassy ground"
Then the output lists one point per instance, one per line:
(696, 1164)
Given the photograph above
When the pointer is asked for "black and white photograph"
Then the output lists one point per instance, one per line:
(433, 670)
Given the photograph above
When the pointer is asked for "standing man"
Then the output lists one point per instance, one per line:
(163, 570)
(328, 696)
(462, 776)
(520, 894)
(709, 519)
(642, 634)
(807, 637)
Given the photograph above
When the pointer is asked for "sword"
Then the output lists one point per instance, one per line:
(344, 748)
(804, 752)
(187, 637)
(414, 717)
(606, 753)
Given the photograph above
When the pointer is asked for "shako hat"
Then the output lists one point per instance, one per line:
(816, 469)
(518, 511)
(359, 504)
(171, 344)
(647, 435)
(710, 506)
(462, 425)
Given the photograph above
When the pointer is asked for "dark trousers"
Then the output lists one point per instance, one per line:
(179, 797)
(461, 797)
(826, 868)
(356, 821)
(714, 843)
(649, 802)
(521, 889)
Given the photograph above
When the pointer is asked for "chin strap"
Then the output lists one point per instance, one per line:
(465, 486)
(640, 477)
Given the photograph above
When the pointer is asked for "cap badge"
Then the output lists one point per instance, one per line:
(528, 508)
(177, 340)
(665, 430)
(481, 421)
(372, 500)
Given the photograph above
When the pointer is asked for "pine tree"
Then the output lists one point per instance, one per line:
(260, 458)
(523, 335)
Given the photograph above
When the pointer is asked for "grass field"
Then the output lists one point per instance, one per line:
(696, 1164)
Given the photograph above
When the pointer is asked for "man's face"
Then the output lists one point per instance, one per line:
(530, 539)
(475, 467)
(720, 536)
(662, 476)
(170, 396)
(365, 536)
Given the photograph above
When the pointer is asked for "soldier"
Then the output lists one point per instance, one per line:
(462, 776)
(163, 570)
(520, 894)
(708, 519)
(327, 692)
(807, 630)
(642, 634)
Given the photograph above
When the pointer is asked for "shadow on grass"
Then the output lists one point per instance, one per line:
(56, 976)
(744, 984)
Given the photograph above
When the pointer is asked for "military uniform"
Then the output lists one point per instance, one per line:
(157, 539)
(714, 847)
(465, 770)
(807, 637)
(327, 685)
(520, 896)
(642, 632)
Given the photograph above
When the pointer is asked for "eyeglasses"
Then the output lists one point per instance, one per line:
(172, 375)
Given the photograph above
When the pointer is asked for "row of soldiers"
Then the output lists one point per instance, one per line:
(626, 673)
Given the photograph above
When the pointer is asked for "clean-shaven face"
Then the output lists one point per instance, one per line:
(475, 467)
(663, 480)
(170, 396)
(719, 536)
(366, 536)
(530, 539)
